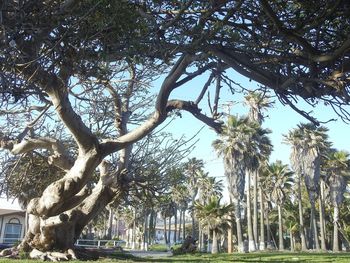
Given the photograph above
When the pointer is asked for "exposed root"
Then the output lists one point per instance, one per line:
(11, 252)
(54, 256)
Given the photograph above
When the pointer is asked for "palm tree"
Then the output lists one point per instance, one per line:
(257, 151)
(314, 143)
(243, 144)
(294, 138)
(214, 216)
(310, 141)
(291, 221)
(264, 188)
(337, 168)
(180, 196)
(231, 147)
(281, 178)
(257, 102)
(208, 186)
(193, 169)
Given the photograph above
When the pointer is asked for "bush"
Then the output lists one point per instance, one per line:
(159, 247)
(297, 247)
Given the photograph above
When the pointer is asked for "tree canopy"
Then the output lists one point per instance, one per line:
(293, 47)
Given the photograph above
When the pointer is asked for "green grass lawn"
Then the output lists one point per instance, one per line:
(189, 258)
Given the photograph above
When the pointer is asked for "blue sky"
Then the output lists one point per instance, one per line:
(280, 119)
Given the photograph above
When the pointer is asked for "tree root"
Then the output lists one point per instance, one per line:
(70, 254)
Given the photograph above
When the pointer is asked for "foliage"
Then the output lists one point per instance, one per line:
(18, 175)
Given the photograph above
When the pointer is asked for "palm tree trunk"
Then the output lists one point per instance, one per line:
(180, 222)
(146, 233)
(255, 208)
(127, 245)
(301, 218)
(240, 244)
(251, 241)
(229, 235)
(280, 228)
(183, 225)
(262, 224)
(335, 228)
(268, 231)
(208, 243)
(199, 237)
(214, 248)
(322, 218)
(193, 217)
(175, 225)
(314, 232)
(151, 236)
(291, 240)
(165, 232)
(133, 238)
(202, 239)
(169, 230)
(117, 228)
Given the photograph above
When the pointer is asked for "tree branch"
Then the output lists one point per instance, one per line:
(59, 157)
(160, 114)
(196, 112)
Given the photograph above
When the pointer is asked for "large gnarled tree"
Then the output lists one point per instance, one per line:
(51, 49)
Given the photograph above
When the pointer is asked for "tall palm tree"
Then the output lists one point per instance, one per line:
(258, 149)
(265, 183)
(291, 221)
(208, 187)
(193, 170)
(231, 147)
(315, 141)
(294, 138)
(180, 195)
(337, 168)
(281, 178)
(257, 102)
(309, 141)
(214, 216)
(243, 144)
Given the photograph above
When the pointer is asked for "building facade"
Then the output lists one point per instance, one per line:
(12, 222)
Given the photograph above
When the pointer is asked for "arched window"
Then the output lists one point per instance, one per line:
(12, 231)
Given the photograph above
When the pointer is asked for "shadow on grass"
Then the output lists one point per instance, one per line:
(251, 257)
(186, 258)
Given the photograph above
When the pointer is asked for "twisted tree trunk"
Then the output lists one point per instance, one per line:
(61, 231)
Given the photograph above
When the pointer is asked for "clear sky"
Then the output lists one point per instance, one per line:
(280, 119)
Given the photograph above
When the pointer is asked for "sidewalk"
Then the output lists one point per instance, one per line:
(149, 254)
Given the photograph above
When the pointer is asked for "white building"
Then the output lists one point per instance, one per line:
(12, 221)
